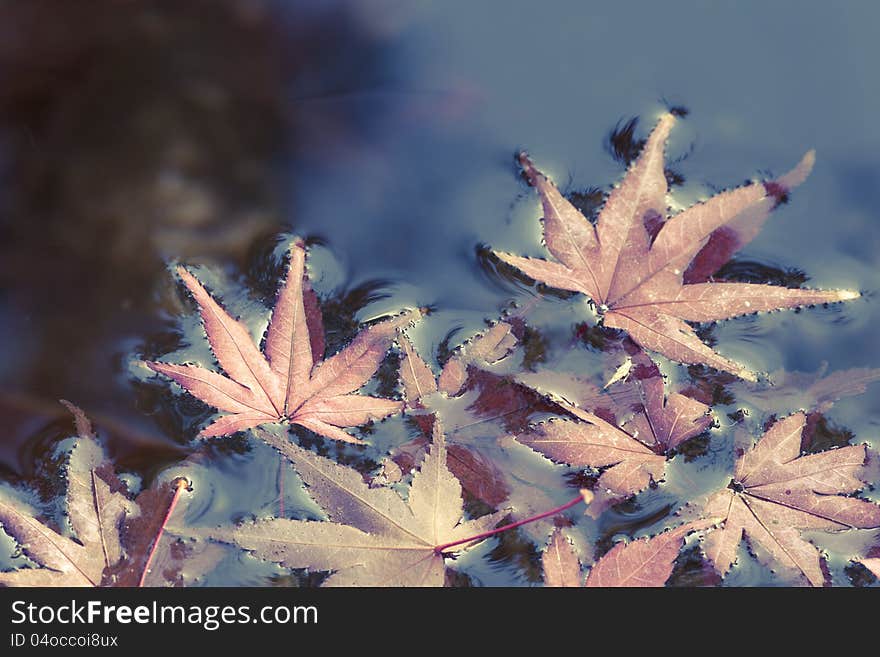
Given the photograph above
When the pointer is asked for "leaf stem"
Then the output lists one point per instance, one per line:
(180, 485)
(552, 512)
(280, 486)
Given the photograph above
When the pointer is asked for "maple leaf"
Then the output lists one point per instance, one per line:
(645, 562)
(775, 493)
(499, 399)
(477, 473)
(114, 540)
(645, 273)
(871, 560)
(290, 382)
(872, 564)
(608, 403)
(485, 348)
(560, 561)
(95, 509)
(635, 452)
(814, 390)
(154, 557)
(374, 537)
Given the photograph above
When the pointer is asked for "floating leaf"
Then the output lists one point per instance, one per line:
(872, 564)
(644, 562)
(95, 509)
(635, 452)
(113, 538)
(560, 561)
(477, 474)
(632, 263)
(486, 348)
(290, 382)
(374, 538)
(776, 492)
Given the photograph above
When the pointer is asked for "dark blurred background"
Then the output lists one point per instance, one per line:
(131, 132)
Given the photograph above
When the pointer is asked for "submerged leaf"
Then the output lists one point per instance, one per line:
(477, 474)
(155, 557)
(814, 391)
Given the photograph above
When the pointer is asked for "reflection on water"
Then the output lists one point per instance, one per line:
(132, 137)
(135, 134)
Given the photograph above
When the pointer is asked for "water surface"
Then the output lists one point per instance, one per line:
(385, 133)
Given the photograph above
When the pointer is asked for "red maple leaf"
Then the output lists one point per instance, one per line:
(776, 493)
(645, 562)
(289, 382)
(634, 449)
(645, 272)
